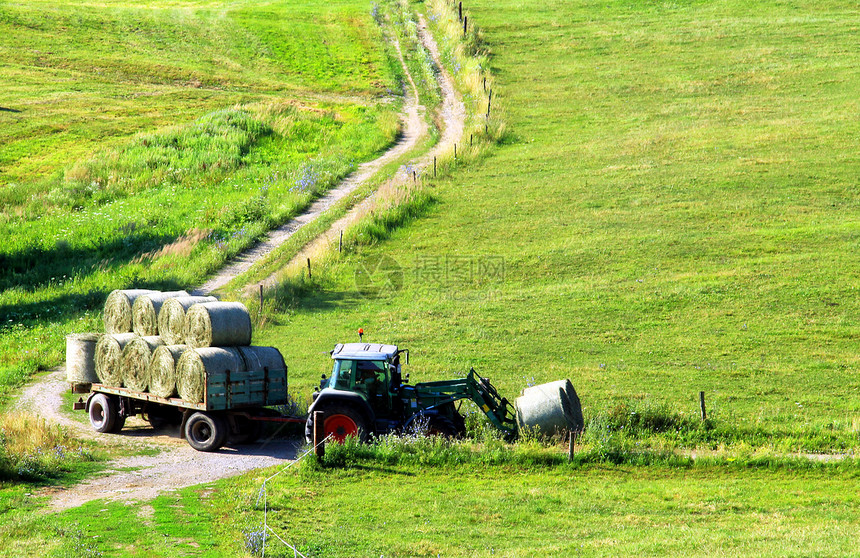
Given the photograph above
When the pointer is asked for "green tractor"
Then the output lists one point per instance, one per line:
(367, 394)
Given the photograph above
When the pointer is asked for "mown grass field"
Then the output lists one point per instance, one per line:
(671, 210)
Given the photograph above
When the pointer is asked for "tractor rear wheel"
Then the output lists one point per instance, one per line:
(339, 421)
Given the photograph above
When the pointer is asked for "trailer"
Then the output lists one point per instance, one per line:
(235, 407)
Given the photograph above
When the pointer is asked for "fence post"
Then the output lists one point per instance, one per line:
(570, 447)
(702, 405)
(309, 268)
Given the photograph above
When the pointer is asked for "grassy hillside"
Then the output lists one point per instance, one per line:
(670, 211)
(673, 211)
(146, 143)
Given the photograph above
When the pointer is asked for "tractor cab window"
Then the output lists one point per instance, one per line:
(342, 374)
(368, 376)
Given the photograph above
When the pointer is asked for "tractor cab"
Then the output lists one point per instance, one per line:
(368, 369)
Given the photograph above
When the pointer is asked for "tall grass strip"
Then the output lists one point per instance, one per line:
(117, 313)
(144, 311)
(195, 365)
(81, 358)
(218, 324)
(136, 357)
(109, 357)
(171, 317)
(262, 358)
(162, 369)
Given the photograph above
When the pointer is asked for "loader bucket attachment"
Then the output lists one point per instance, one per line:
(549, 409)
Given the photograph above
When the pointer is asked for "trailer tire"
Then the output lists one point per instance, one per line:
(206, 432)
(339, 421)
(104, 413)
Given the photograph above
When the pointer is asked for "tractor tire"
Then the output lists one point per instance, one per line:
(339, 421)
(104, 413)
(441, 426)
(206, 432)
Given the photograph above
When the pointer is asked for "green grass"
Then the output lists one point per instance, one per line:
(163, 64)
(671, 211)
(487, 511)
(263, 116)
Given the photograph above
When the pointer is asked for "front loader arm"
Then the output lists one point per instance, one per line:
(478, 390)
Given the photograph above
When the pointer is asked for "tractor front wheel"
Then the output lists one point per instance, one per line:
(339, 421)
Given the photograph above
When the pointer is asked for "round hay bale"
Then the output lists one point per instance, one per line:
(262, 358)
(117, 313)
(218, 324)
(135, 361)
(144, 311)
(171, 317)
(162, 369)
(109, 357)
(196, 364)
(81, 358)
(549, 409)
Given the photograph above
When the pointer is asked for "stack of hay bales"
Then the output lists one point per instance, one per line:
(167, 344)
(218, 335)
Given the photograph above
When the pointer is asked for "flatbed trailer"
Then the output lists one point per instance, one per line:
(235, 407)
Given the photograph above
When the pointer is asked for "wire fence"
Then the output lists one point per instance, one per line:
(264, 496)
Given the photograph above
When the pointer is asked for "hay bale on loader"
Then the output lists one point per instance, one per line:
(109, 357)
(144, 311)
(81, 358)
(162, 369)
(218, 324)
(171, 317)
(196, 364)
(549, 409)
(117, 311)
(136, 357)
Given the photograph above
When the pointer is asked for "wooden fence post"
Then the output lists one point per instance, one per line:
(702, 405)
(570, 447)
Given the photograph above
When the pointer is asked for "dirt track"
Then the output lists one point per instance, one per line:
(143, 477)
(175, 464)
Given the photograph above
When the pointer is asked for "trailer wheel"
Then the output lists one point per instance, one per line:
(339, 421)
(104, 413)
(206, 432)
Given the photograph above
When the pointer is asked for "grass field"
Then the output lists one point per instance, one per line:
(671, 210)
(176, 133)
